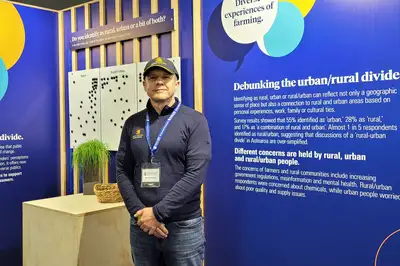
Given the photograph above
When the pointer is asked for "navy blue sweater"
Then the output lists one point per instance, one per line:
(184, 153)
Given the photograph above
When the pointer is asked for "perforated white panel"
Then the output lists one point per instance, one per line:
(84, 106)
(118, 101)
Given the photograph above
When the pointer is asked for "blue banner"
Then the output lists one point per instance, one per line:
(29, 114)
(148, 25)
(302, 101)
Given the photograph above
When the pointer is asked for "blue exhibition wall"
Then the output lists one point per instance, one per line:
(302, 101)
(164, 43)
(29, 147)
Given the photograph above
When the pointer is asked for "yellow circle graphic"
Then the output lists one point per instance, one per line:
(304, 5)
(12, 34)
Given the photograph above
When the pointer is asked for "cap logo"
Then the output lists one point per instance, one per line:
(159, 60)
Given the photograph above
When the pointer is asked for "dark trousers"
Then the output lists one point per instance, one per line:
(184, 246)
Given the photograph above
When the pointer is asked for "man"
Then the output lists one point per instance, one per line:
(162, 159)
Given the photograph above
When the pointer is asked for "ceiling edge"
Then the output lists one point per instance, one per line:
(80, 5)
(32, 6)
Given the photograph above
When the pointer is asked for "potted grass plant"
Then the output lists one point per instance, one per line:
(91, 158)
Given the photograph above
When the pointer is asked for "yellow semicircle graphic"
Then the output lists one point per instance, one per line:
(305, 6)
(12, 34)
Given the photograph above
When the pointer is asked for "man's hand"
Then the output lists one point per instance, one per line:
(148, 223)
(161, 232)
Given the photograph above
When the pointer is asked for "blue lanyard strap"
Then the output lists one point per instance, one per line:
(161, 134)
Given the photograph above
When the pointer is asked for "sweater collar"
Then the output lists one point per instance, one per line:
(165, 111)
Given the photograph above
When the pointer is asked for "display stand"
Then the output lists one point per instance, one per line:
(75, 230)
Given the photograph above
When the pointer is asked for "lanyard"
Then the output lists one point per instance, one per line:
(160, 135)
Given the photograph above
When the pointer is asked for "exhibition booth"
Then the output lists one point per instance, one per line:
(301, 100)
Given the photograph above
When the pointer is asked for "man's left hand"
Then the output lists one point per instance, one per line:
(147, 221)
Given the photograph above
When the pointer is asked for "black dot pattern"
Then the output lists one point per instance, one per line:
(81, 125)
(116, 87)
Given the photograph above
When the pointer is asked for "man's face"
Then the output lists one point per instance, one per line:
(160, 85)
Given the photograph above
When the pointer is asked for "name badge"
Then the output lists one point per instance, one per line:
(151, 175)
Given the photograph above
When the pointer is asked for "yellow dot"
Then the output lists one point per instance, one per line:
(12, 34)
(304, 5)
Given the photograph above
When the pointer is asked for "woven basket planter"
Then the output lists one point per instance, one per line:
(107, 193)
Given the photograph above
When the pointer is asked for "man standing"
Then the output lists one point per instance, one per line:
(162, 160)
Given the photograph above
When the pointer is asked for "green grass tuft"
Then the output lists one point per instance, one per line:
(91, 154)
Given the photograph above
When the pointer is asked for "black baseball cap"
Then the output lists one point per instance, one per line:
(163, 63)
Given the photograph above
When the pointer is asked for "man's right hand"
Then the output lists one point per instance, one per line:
(160, 232)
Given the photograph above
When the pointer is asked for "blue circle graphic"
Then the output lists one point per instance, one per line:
(3, 79)
(286, 32)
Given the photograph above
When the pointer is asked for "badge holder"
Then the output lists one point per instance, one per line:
(151, 174)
